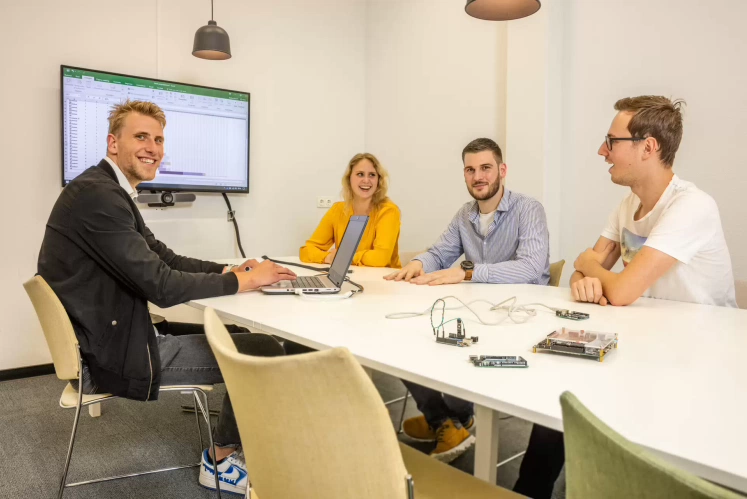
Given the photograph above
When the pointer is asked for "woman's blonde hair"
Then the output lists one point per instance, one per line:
(379, 196)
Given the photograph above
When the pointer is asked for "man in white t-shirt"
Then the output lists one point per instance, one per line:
(668, 233)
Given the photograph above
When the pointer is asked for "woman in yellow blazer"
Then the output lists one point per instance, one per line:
(364, 188)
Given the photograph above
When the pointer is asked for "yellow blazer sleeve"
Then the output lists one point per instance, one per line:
(317, 248)
(386, 237)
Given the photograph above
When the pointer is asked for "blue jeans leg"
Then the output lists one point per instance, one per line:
(459, 410)
(195, 364)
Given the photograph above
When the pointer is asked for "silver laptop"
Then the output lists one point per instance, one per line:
(330, 283)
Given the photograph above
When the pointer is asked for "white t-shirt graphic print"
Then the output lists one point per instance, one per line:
(685, 224)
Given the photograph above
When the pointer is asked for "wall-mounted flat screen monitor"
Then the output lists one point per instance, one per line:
(206, 146)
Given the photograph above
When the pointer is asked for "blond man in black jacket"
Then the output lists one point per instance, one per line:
(105, 265)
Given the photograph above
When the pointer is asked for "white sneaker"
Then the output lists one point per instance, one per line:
(232, 474)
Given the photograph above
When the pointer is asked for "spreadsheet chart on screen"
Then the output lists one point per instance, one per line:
(206, 136)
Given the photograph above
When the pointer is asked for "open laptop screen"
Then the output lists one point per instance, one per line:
(346, 251)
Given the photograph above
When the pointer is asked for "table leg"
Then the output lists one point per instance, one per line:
(486, 447)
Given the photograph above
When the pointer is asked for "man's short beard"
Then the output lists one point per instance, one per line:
(492, 191)
(133, 171)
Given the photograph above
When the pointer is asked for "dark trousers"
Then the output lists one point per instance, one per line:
(293, 348)
(541, 464)
(437, 407)
(194, 363)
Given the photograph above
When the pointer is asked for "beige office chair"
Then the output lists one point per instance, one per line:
(556, 270)
(314, 426)
(601, 463)
(65, 350)
(741, 291)
(406, 256)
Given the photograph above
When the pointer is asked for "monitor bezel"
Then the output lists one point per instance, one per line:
(149, 186)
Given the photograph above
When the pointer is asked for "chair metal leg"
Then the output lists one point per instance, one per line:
(72, 436)
(402, 416)
(410, 487)
(510, 459)
(394, 401)
(205, 411)
(191, 408)
(130, 475)
(197, 418)
(142, 473)
(206, 414)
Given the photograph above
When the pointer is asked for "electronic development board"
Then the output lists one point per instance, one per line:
(590, 344)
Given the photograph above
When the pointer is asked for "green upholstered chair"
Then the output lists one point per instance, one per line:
(602, 464)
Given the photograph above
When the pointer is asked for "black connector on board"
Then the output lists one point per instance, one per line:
(498, 361)
(458, 339)
(572, 315)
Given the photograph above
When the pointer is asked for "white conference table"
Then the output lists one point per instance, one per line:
(676, 385)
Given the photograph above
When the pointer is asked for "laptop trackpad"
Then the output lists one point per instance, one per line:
(282, 284)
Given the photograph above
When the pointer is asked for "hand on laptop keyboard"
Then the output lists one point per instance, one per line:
(264, 274)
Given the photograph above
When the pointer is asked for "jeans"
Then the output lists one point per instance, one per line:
(437, 407)
(541, 464)
(195, 364)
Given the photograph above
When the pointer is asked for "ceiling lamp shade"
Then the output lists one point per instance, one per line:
(501, 10)
(211, 41)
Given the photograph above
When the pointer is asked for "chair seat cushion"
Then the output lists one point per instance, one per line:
(434, 479)
(176, 388)
(69, 397)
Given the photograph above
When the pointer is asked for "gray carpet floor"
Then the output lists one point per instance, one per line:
(132, 436)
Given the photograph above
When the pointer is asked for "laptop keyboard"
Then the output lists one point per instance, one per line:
(308, 282)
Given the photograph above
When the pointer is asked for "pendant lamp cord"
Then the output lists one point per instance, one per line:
(211, 11)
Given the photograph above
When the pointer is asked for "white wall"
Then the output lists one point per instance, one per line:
(533, 114)
(434, 83)
(569, 63)
(303, 62)
(680, 48)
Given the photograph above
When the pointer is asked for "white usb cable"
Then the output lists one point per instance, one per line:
(509, 305)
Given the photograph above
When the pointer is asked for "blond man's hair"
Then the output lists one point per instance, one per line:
(658, 117)
(379, 196)
(119, 112)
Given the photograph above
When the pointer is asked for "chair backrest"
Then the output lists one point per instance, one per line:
(58, 330)
(741, 290)
(406, 256)
(599, 459)
(556, 270)
(312, 425)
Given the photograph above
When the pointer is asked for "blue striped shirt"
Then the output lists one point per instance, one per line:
(516, 249)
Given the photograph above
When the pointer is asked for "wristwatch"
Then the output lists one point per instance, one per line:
(468, 267)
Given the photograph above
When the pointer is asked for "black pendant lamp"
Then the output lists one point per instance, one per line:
(211, 41)
(501, 10)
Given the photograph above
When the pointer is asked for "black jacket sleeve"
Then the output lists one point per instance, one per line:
(107, 226)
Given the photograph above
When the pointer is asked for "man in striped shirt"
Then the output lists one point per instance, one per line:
(504, 238)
